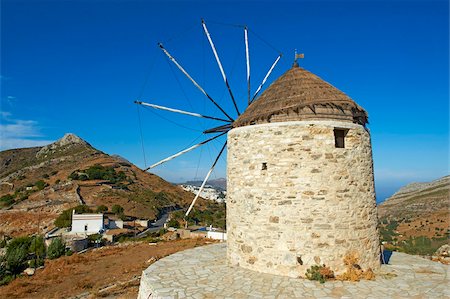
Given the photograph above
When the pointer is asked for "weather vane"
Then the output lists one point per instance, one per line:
(297, 56)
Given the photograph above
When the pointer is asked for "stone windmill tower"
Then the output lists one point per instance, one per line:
(300, 180)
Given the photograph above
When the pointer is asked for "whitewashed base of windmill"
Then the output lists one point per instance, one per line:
(203, 272)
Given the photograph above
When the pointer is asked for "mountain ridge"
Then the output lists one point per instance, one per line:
(37, 184)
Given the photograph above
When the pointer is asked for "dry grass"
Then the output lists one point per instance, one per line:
(354, 272)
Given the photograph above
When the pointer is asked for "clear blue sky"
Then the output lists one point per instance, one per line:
(77, 66)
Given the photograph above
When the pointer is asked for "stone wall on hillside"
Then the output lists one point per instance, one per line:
(295, 200)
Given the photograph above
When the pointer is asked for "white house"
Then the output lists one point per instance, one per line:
(217, 235)
(87, 223)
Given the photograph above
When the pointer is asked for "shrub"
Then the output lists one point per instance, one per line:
(319, 273)
(117, 209)
(57, 181)
(73, 175)
(3, 242)
(102, 209)
(36, 263)
(354, 272)
(37, 247)
(16, 255)
(96, 240)
(4, 277)
(7, 200)
(40, 184)
(173, 223)
(56, 249)
(99, 172)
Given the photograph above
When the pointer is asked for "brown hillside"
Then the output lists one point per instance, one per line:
(141, 194)
(417, 210)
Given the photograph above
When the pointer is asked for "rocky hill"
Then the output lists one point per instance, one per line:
(417, 215)
(37, 184)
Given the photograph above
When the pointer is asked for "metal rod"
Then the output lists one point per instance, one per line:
(180, 111)
(247, 56)
(265, 78)
(192, 80)
(220, 65)
(184, 151)
(205, 180)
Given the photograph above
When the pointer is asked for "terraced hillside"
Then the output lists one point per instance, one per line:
(37, 184)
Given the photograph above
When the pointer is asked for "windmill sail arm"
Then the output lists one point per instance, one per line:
(184, 151)
(267, 76)
(205, 180)
(180, 111)
(192, 80)
(213, 47)
(247, 58)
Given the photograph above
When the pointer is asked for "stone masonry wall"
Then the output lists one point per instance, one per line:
(295, 200)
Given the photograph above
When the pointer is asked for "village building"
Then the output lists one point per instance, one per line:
(87, 223)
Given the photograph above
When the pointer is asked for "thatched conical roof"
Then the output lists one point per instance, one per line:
(301, 95)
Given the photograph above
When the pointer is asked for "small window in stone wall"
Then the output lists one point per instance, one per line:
(264, 166)
(339, 137)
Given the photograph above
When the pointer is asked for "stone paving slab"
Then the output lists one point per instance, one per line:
(203, 273)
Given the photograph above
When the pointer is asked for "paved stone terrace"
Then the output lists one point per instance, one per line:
(203, 272)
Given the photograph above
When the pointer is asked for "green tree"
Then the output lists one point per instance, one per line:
(56, 249)
(37, 247)
(117, 209)
(16, 255)
(102, 209)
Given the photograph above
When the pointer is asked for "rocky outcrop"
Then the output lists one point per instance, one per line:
(68, 141)
(417, 199)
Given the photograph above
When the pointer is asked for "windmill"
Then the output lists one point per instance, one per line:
(225, 117)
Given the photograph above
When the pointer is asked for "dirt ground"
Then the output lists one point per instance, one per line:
(112, 271)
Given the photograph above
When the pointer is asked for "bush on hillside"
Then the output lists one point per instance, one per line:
(16, 255)
(37, 247)
(7, 200)
(101, 209)
(99, 172)
(40, 184)
(173, 223)
(117, 209)
(56, 249)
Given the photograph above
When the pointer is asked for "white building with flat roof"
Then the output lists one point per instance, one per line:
(87, 223)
